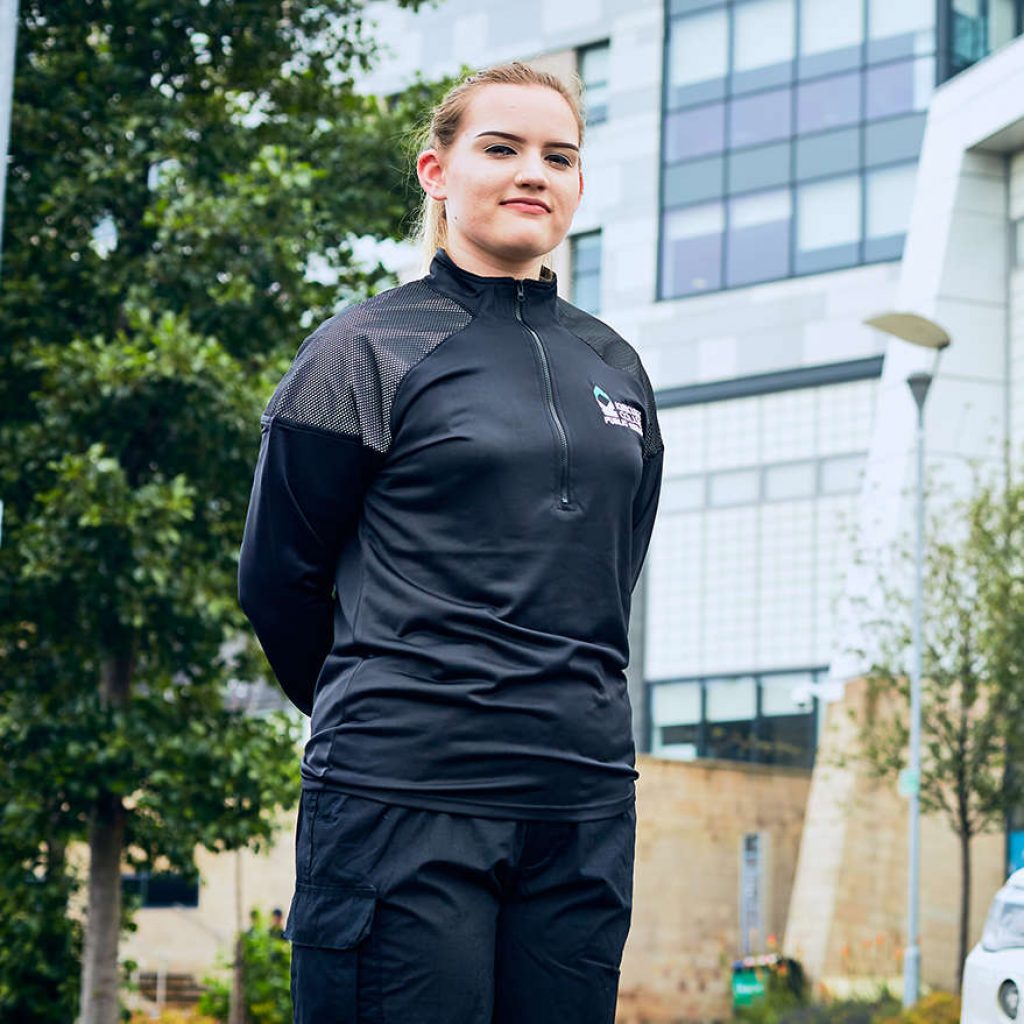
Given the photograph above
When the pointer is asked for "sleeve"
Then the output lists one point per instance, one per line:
(645, 509)
(314, 468)
(306, 499)
(645, 504)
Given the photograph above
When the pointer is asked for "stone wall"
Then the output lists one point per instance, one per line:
(691, 819)
(848, 913)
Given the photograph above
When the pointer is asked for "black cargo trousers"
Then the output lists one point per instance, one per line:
(409, 916)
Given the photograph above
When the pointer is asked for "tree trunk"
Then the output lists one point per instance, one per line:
(965, 902)
(100, 981)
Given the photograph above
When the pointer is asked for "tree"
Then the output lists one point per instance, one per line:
(973, 671)
(177, 174)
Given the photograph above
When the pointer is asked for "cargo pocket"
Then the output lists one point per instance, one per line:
(326, 925)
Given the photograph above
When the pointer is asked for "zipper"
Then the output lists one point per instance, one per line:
(549, 393)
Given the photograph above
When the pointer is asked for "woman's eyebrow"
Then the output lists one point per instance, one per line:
(520, 139)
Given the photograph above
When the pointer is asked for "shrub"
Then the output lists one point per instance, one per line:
(266, 970)
(937, 1008)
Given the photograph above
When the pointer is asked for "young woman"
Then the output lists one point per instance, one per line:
(455, 491)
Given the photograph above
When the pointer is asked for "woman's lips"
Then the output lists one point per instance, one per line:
(526, 206)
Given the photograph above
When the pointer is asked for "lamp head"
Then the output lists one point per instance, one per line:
(918, 330)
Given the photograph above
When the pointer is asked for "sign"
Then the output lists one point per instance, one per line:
(752, 930)
(910, 782)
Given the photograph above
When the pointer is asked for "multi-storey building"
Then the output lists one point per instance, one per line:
(750, 177)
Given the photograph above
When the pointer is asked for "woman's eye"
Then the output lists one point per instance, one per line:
(499, 149)
(560, 159)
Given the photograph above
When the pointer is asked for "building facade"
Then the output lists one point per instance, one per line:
(750, 178)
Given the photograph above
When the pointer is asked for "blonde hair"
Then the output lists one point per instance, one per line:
(432, 224)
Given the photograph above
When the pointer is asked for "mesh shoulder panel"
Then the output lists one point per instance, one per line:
(617, 352)
(346, 373)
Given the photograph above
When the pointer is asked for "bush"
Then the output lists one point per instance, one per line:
(937, 1008)
(266, 970)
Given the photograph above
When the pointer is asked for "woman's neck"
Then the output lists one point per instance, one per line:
(486, 265)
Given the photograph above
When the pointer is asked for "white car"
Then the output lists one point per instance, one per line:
(994, 971)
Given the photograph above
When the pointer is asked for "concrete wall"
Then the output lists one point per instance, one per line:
(848, 912)
(691, 819)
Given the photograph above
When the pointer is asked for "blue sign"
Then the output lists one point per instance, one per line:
(1016, 850)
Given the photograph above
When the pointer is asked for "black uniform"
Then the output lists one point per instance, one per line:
(455, 493)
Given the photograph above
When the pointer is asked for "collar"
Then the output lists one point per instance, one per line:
(498, 296)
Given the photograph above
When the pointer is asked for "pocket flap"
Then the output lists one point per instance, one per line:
(329, 917)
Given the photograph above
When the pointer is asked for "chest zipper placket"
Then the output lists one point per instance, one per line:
(549, 393)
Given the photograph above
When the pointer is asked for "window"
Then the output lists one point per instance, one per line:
(1018, 230)
(899, 88)
(767, 719)
(692, 250)
(586, 271)
(763, 34)
(793, 480)
(696, 132)
(698, 58)
(828, 224)
(593, 64)
(890, 194)
(793, 105)
(161, 889)
(762, 117)
(758, 243)
(737, 487)
(831, 34)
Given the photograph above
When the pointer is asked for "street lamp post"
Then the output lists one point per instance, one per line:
(918, 331)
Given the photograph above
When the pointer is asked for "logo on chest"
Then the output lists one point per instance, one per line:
(619, 414)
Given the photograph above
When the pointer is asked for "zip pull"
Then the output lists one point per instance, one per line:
(520, 292)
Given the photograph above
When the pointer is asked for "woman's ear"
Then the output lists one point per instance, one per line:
(430, 172)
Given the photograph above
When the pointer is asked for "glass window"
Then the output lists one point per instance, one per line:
(786, 726)
(692, 250)
(890, 193)
(736, 487)
(903, 29)
(795, 480)
(686, 6)
(828, 154)
(696, 132)
(762, 117)
(757, 248)
(897, 138)
(828, 103)
(691, 182)
(594, 61)
(731, 707)
(751, 169)
(764, 33)
(899, 88)
(698, 57)
(586, 271)
(831, 25)
(828, 224)
(676, 714)
(842, 474)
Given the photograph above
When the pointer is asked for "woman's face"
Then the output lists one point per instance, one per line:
(511, 180)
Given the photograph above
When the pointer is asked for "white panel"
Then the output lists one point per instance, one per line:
(732, 438)
(789, 426)
(699, 48)
(764, 33)
(830, 25)
(676, 704)
(846, 417)
(683, 430)
(675, 608)
(786, 597)
(730, 592)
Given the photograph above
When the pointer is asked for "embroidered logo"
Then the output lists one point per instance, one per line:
(618, 413)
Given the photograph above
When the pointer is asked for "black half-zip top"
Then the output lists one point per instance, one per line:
(455, 492)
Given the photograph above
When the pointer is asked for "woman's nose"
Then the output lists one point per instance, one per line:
(531, 172)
